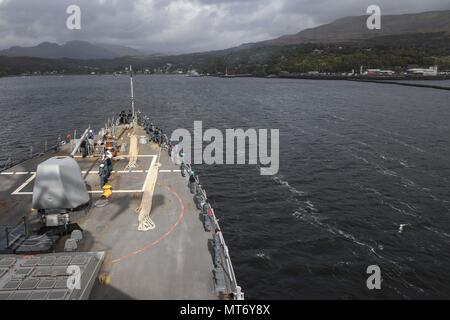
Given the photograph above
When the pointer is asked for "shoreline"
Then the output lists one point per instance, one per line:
(391, 80)
(338, 77)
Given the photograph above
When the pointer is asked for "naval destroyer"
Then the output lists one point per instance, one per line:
(147, 232)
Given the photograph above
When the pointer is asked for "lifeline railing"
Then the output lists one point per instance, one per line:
(33, 152)
(227, 264)
(43, 148)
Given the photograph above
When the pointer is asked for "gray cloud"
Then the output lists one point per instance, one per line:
(181, 25)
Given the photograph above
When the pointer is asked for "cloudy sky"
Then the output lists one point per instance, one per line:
(181, 25)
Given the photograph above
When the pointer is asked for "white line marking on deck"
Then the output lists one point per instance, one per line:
(122, 156)
(118, 191)
(91, 171)
(120, 171)
(17, 191)
(33, 176)
(95, 191)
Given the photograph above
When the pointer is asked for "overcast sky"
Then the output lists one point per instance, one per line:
(181, 25)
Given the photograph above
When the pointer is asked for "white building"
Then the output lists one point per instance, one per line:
(431, 71)
(379, 72)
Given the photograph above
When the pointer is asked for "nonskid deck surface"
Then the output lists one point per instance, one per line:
(173, 261)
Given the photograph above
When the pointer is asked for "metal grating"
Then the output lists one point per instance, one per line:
(42, 272)
(20, 295)
(79, 260)
(31, 262)
(46, 284)
(38, 295)
(47, 261)
(61, 283)
(7, 262)
(63, 261)
(11, 285)
(28, 284)
(4, 295)
(3, 272)
(45, 276)
(57, 295)
(23, 272)
(59, 271)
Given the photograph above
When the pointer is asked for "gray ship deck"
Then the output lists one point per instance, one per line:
(173, 261)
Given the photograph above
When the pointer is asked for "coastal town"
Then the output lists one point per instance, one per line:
(411, 72)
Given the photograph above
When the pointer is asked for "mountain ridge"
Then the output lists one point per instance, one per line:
(421, 39)
(353, 28)
(81, 50)
(346, 29)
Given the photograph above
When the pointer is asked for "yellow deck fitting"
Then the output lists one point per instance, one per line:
(107, 191)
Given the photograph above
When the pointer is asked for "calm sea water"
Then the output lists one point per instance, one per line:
(358, 160)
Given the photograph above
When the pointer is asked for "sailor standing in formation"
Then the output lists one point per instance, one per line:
(106, 168)
(103, 173)
(192, 182)
(108, 158)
